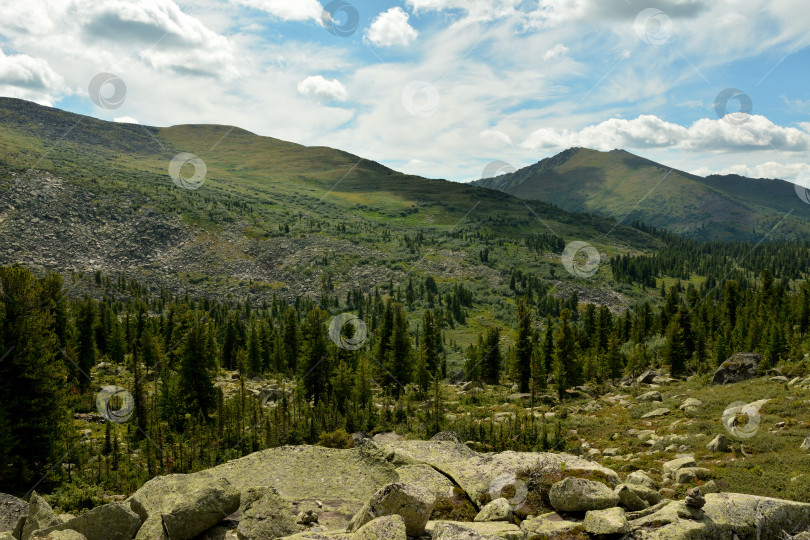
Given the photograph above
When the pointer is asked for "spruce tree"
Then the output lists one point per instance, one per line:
(524, 346)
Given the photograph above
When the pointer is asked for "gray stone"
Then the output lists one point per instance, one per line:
(805, 444)
(11, 510)
(647, 377)
(265, 514)
(740, 367)
(640, 478)
(113, 521)
(479, 530)
(580, 495)
(40, 516)
(200, 509)
(550, 526)
(414, 503)
(59, 535)
(628, 499)
(673, 465)
(497, 510)
(605, 522)
(649, 495)
(661, 411)
(652, 395)
(718, 444)
(381, 528)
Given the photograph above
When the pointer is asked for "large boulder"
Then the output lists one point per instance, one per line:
(550, 526)
(414, 503)
(482, 476)
(652, 395)
(725, 515)
(580, 495)
(201, 509)
(483, 530)
(382, 528)
(59, 535)
(40, 516)
(497, 510)
(629, 499)
(452, 503)
(11, 510)
(113, 521)
(740, 367)
(265, 514)
(606, 522)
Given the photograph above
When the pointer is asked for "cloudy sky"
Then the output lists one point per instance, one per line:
(439, 88)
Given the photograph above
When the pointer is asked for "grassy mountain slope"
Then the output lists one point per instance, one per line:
(628, 187)
(272, 217)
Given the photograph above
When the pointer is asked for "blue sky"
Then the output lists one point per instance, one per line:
(440, 88)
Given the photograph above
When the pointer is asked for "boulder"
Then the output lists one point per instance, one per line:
(452, 503)
(805, 444)
(740, 367)
(11, 510)
(640, 478)
(580, 495)
(480, 530)
(606, 522)
(686, 475)
(497, 510)
(59, 535)
(40, 516)
(449, 436)
(718, 444)
(647, 377)
(661, 411)
(652, 395)
(629, 499)
(200, 509)
(381, 528)
(414, 503)
(725, 515)
(550, 526)
(114, 521)
(673, 465)
(265, 514)
(646, 494)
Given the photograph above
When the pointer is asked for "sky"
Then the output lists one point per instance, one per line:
(438, 88)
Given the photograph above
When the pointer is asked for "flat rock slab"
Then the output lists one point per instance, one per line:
(492, 529)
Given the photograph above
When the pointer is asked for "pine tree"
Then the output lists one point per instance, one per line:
(524, 346)
(565, 354)
(674, 354)
(398, 367)
(86, 346)
(430, 345)
(196, 388)
(315, 365)
(254, 352)
(290, 341)
(491, 358)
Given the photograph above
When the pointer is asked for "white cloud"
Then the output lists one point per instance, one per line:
(288, 10)
(323, 89)
(475, 10)
(557, 50)
(497, 135)
(26, 77)
(649, 131)
(391, 28)
(125, 120)
(771, 169)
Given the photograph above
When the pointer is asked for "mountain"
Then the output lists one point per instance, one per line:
(630, 188)
(82, 195)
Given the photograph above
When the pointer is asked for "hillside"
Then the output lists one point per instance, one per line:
(630, 188)
(82, 195)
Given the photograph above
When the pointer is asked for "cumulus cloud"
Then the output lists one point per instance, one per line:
(475, 10)
(497, 135)
(125, 120)
(288, 10)
(323, 89)
(29, 78)
(649, 131)
(557, 50)
(391, 28)
(771, 169)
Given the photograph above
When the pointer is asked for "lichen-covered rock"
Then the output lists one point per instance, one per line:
(640, 478)
(740, 367)
(412, 502)
(605, 522)
(673, 465)
(497, 510)
(551, 526)
(59, 535)
(661, 411)
(474, 530)
(724, 515)
(382, 528)
(40, 516)
(580, 495)
(11, 510)
(452, 503)
(652, 395)
(629, 499)
(686, 475)
(113, 521)
(201, 509)
(265, 514)
(650, 496)
(718, 444)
